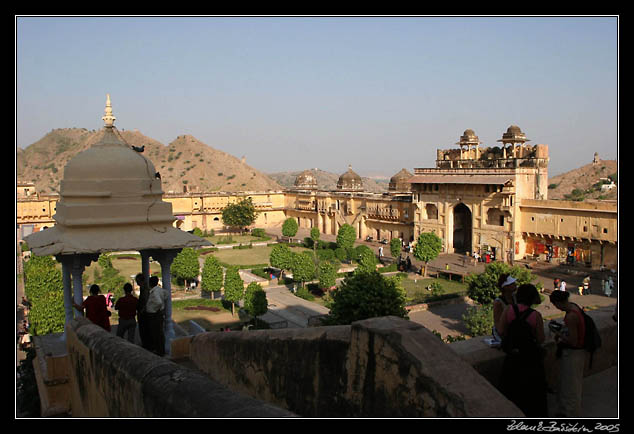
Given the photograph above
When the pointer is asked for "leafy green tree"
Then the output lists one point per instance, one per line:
(427, 248)
(366, 295)
(239, 215)
(303, 267)
(367, 261)
(281, 257)
(395, 247)
(327, 275)
(185, 265)
(109, 279)
(314, 235)
(483, 287)
(212, 275)
(290, 227)
(346, 236)
(234, 287)
(255, 302)
(45, 290)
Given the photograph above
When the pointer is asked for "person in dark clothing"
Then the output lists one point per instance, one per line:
(523, 374)
(127, 307)
(96, 308)
(144, 291)
(155, 310)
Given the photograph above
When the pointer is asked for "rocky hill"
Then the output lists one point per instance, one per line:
(328, 180)
(585, 182)
(186, 163)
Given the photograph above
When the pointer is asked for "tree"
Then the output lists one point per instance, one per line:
(303, 267)
(483, 287)
(290, 227)
(109, 279)
(280, 257)
(212, 275)
(346, 236)
(185, 265)
(327, 275)
(314, 235)
(234, 287)
(395, 247)
(427, 248)
(366, 295)
(367, 260)
(45, 290)
(255, 302)
(241, 214)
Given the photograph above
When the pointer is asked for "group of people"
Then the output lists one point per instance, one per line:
(523, 375)
(607, 286)
(147, 311)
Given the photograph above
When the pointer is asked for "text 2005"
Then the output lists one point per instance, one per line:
(608, 428)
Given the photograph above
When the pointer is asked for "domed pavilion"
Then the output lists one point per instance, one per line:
(111, 200)
(306, 181)
(400, 182)
(350, 181)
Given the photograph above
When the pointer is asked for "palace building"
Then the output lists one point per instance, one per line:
(478, 199)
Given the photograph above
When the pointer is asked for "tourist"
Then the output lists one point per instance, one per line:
(409, 263)
(508, 286)
(556, 284)
(96, 308)
(141, 313)
(571, 354)
(586, 285)
(562, 285)
(155, 310)
(127, 307)
(523, 374)
(380, 252)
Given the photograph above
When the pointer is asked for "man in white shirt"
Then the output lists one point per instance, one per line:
(155, 310)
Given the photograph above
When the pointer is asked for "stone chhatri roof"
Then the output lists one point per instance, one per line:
(111, 200)
(350, 181)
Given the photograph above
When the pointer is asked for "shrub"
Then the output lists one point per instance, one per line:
(479, 319)
(366, 295)
(258, 232)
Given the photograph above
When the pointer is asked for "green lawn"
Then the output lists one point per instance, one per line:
(256, 256)
(416, 289)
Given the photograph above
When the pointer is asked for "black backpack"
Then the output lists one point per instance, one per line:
(519, 338)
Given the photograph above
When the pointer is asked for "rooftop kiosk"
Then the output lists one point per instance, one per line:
(111, 199)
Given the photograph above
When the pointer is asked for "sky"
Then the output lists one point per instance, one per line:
(378, 93)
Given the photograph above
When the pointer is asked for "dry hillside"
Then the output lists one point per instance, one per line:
(583, 183)
(185, 162)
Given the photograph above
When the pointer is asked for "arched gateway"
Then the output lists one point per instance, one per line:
(462, 228)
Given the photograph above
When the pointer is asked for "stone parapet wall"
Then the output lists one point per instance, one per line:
(110, 377)
(382, 367)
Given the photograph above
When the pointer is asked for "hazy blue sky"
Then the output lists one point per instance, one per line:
(290, 93)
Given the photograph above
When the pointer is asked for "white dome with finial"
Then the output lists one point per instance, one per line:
(111, 199)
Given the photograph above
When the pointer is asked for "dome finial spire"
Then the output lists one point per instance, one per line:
(108, 118)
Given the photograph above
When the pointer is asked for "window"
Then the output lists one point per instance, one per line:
(605, 230)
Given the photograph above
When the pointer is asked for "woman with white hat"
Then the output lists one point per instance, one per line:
(508, 287)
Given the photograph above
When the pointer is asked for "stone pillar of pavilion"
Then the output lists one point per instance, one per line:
(111, 200)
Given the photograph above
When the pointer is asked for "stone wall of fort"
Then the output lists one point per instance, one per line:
(381, 367)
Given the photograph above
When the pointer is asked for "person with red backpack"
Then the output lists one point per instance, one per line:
(572, 355)
(523, 375)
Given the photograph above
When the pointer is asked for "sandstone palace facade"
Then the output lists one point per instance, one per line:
(485, 200)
